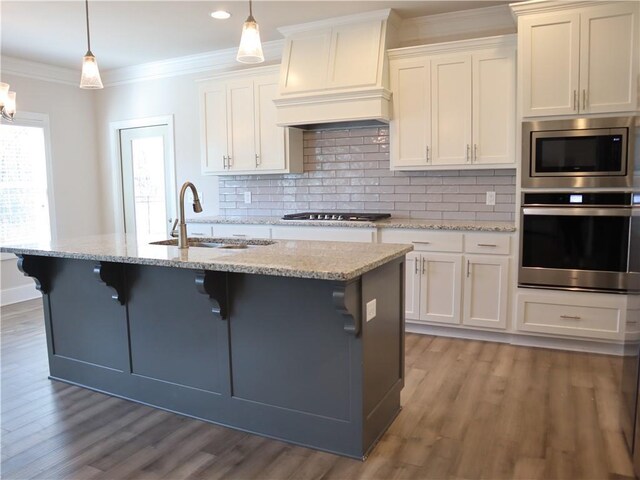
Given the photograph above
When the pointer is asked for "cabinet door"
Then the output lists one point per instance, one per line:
(440, 288)
(240, 119)
(412, 287)
(269, 137)
(608, 58)
(550, 61)
(213, 122)
(494, 109)
(485, 291)
(451, 110)
(411, 123)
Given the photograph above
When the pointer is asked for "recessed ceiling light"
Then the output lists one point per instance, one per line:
(220, 15)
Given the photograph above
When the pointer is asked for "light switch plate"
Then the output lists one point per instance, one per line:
(491, 198)
(247, 197)
(371, 310)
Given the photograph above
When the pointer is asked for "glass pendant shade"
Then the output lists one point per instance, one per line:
(4, 93)
(90, 78)
(9, 109)
(250, 50)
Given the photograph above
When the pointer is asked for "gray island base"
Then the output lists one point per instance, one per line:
(285, 357)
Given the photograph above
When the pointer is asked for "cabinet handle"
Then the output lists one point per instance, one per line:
(257, 160)
(229, 162)
(468, 268)
(423, 265)
(486, 245)
(421, 243)
(575, 100)
(584, 99)
(475, 152)
(570, 317)
(427, 153)
(224, 162)
(468, 151)
(416, 266)
(238, 235)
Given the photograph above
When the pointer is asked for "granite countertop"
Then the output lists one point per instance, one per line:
(340, 261)
(459, 225)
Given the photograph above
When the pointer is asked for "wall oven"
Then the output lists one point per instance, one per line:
(580, 153)
(579, 241)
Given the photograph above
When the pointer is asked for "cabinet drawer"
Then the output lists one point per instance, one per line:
(577, 316)
(334, 234)
(198, 230)
(487, 243)
(249, 231)
(427, 241)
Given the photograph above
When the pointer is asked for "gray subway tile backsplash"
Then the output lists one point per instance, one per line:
(348, 170)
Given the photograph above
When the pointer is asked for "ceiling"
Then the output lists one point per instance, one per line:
(127, 33)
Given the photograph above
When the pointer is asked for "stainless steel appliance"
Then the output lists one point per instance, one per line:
(579, 241)
(340, 216)
(580, 153)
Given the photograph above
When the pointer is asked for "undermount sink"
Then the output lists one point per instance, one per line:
(225, 243)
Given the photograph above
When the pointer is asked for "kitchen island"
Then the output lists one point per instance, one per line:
(297, 340)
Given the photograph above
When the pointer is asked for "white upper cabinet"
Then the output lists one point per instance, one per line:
(494, 93)
(578, 60)
(238, 126)
(451, 110)
(454, 105)
(411, 127)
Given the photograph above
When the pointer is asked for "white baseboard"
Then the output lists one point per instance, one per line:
(525, 340)
(9, 296)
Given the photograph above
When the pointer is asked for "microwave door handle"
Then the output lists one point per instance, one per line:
(578, 211)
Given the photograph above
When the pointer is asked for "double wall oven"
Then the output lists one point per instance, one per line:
(580, 215)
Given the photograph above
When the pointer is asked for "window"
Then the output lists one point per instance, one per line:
(24, 192)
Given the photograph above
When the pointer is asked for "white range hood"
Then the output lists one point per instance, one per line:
(335, 70)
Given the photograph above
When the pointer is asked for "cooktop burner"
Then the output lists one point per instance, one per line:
(339, 216)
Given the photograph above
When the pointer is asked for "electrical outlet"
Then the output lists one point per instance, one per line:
(371, 310)
(491, 198)
(247, 197)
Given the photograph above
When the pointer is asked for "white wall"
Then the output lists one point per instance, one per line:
(75, 173)
(175, 96)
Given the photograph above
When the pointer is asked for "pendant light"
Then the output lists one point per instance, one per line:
(250, 50)
(7, 102)
(90, 74)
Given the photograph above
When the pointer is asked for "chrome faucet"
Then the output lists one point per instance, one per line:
(182, 227)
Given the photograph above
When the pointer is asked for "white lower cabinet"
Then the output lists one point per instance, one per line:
(447, 283)
(333, 234)
(198, 230)
(440, 291)
(241, 231)
(577, 314)
(486, 291)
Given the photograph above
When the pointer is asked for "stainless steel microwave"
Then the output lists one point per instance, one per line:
(580, 153)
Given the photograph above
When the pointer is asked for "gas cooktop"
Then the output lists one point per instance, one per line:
(337, 216)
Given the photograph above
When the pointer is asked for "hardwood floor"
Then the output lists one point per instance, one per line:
(471, 410)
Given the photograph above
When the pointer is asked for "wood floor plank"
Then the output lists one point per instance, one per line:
(471, 409)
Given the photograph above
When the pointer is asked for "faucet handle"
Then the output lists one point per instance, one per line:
(174, 232)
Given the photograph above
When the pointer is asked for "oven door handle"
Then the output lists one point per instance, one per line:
(578, 211)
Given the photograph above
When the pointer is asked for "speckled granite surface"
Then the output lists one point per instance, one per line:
(304, 259)
(460, 225)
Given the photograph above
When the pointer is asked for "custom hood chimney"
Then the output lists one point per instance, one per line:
(335, 70)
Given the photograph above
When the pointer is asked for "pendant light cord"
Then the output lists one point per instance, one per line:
(86, 4)
(250, 9)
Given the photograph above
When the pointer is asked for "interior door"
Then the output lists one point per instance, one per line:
(148, 181)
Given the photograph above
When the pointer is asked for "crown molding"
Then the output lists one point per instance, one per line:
(499, 41)
(550, 6)
(40, 71)
(477, 22)
(216, 61)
